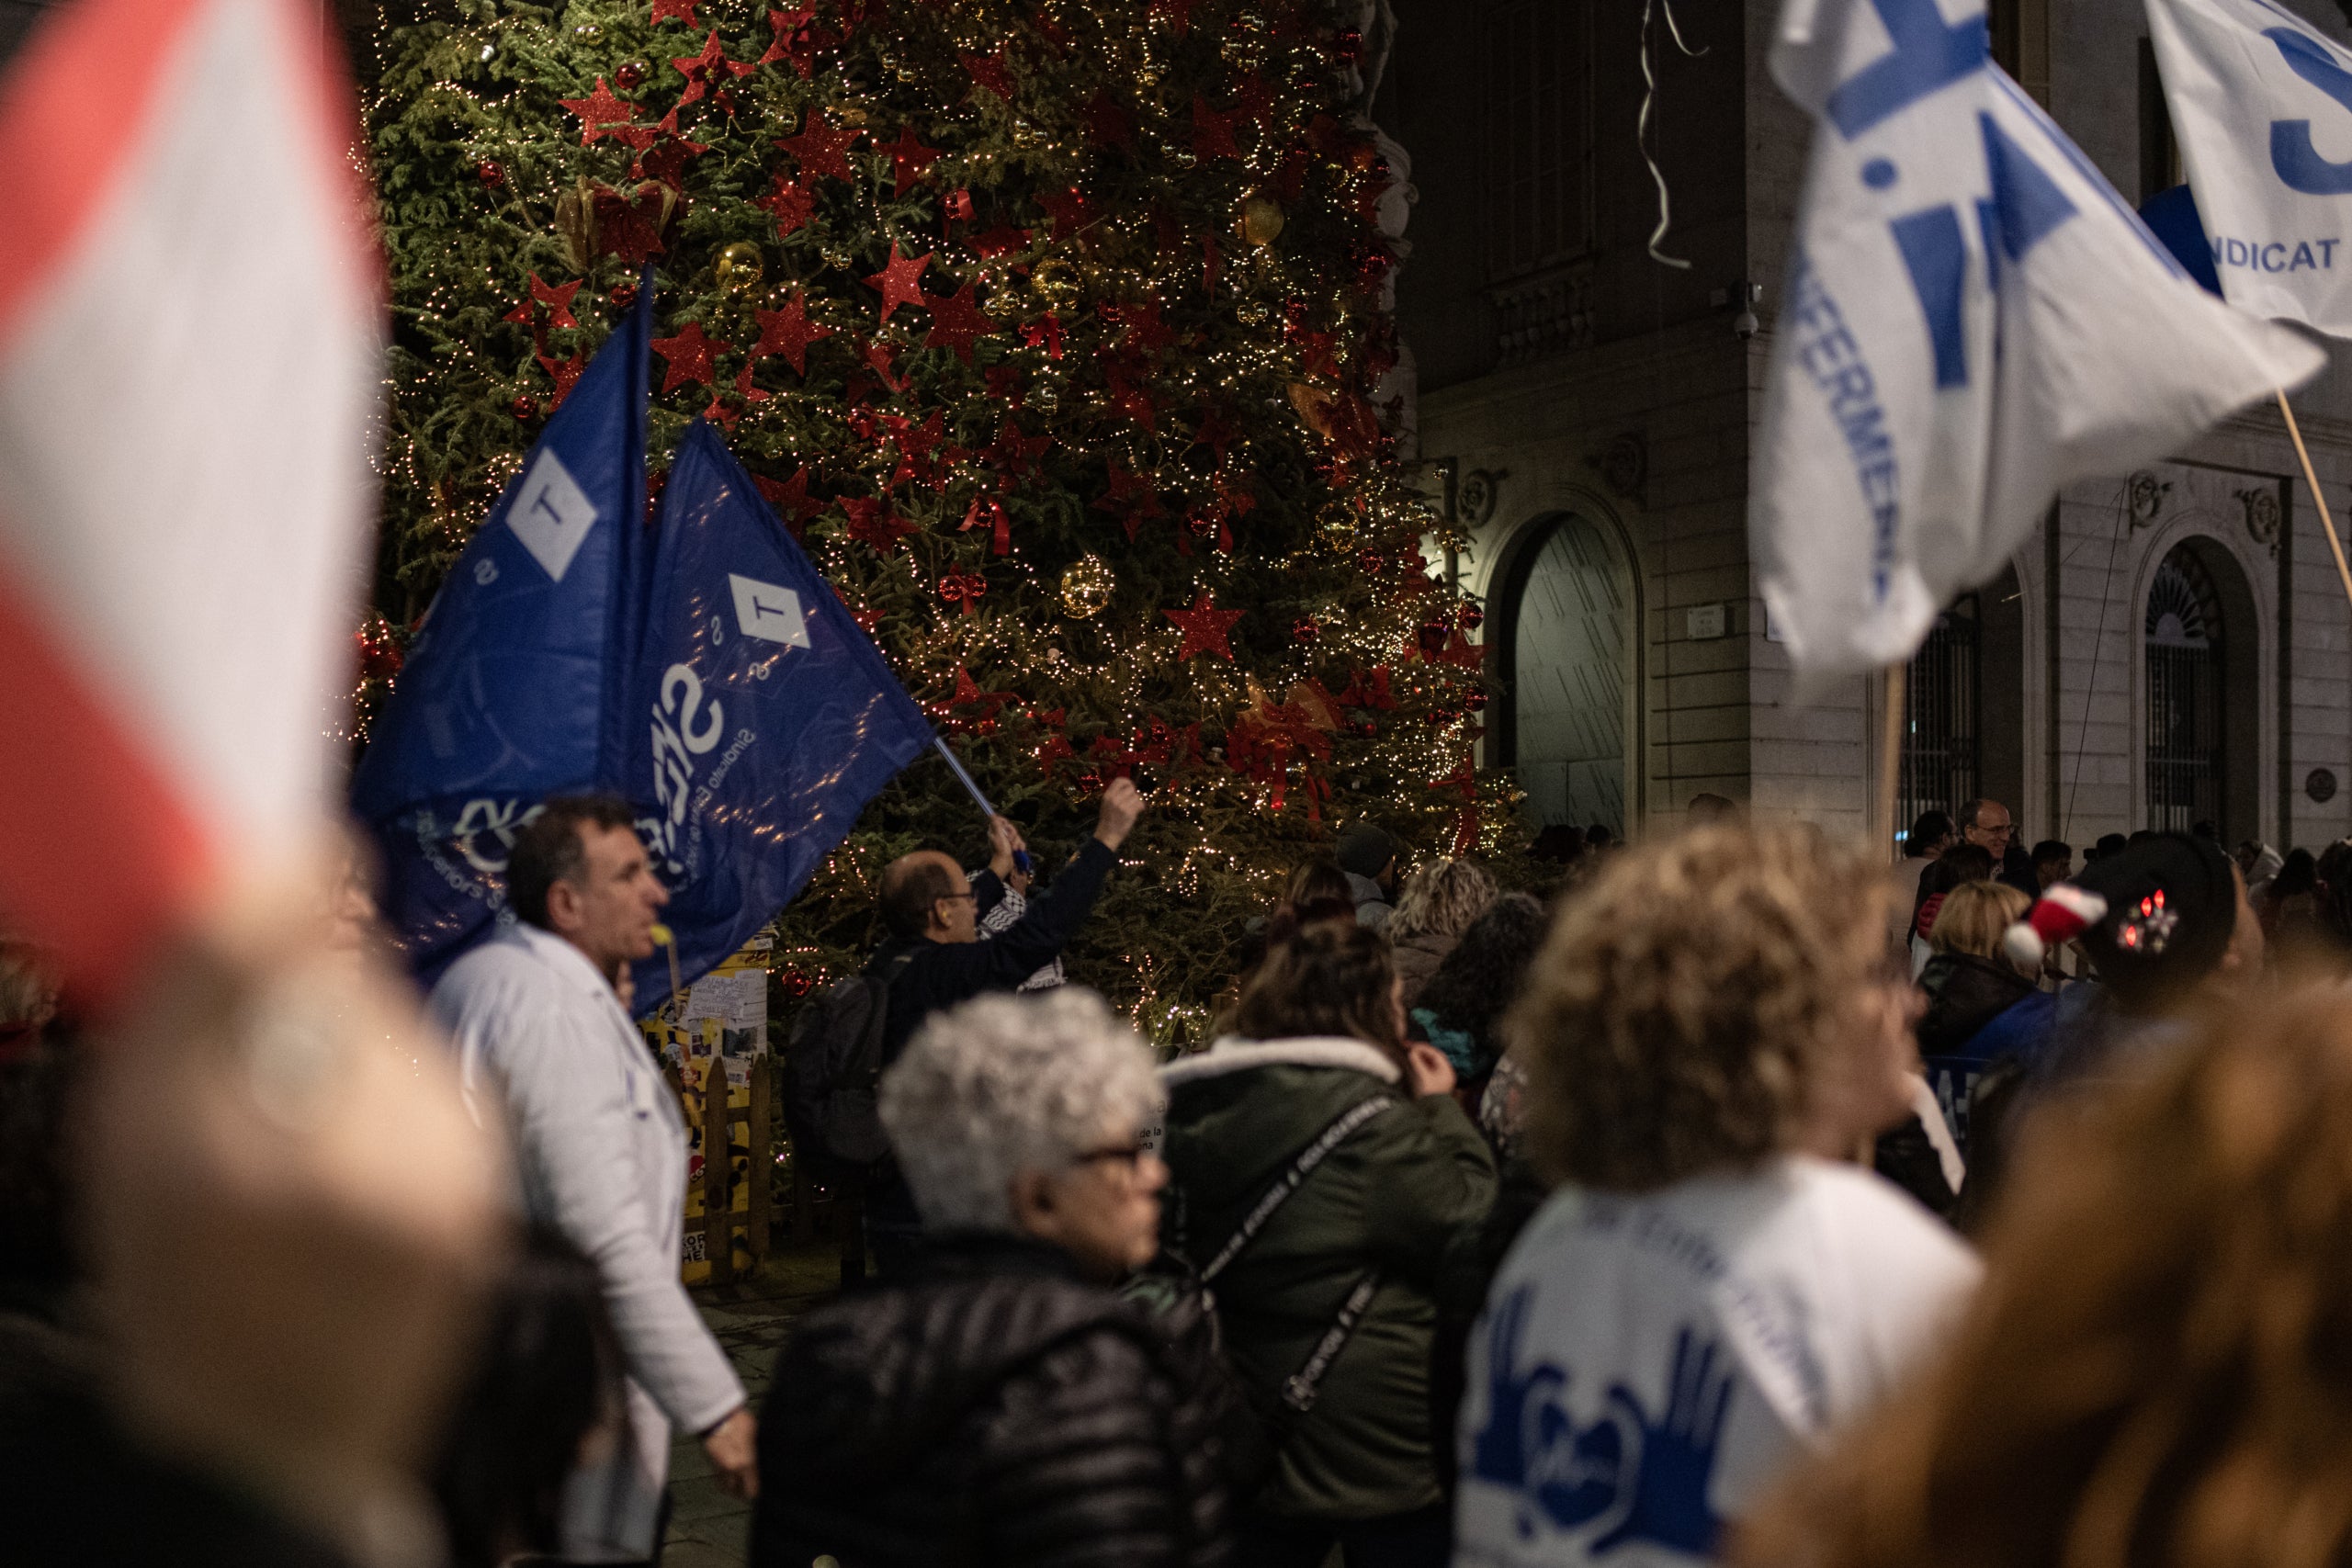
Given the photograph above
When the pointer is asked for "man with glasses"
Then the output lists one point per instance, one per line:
(1988, 826)
(934, 959)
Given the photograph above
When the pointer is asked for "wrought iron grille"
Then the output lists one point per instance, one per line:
(1941, 730)
(2184, 648)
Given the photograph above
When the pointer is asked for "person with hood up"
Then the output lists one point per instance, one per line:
(1329, 1301)
(1004, 1406)
(1438, 904)
(1368, 854)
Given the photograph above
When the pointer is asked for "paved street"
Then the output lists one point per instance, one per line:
(707, 1528)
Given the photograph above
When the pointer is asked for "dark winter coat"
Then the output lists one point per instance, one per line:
(1964, 994)
(1406, 1193)
(997, 1412)
(1416, 959)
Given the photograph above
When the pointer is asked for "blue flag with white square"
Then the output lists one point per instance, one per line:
(511, 692)
(1971, 318)
(764, 718)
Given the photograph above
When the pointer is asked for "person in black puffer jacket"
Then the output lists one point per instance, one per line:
(1002, 1406)
(1969, 982)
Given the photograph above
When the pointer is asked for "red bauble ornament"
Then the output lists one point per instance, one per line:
(1470, 618)
(632, 74)
(1433, 637)
(958, 206)
(1372, 563)
(623, 295)
(1305, 629)
(524, 406)
(490, 176)
(1347, 48)
(796, 984)
(1475, 702)
(1202, 524)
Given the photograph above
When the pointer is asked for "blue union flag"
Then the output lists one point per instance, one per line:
(1973, 318)
(762, 719)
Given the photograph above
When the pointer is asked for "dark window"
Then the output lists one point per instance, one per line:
(2159, 153)
(1941, 709)
(2004, 26)
(2185, 733)
(1539, 139)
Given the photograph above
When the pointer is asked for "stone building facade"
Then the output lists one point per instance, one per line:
(2172, 646)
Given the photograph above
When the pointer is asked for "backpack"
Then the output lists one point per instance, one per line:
(832, 1063)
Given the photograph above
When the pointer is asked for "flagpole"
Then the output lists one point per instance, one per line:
(2311, 478)
(1890, 759)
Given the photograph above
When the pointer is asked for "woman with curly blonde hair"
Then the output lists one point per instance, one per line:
(1712, 1028)
(1439, 902)
(2156, 1373)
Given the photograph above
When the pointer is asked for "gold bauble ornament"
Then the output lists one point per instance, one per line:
(1086, 588)
(1261, 219)
(1336, 526)
(1056, 281)
(740, 267)
(1252, 312)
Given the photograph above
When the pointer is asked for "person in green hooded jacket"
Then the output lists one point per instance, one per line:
(1329, 1304)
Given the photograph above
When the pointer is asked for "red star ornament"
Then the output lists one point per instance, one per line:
(896, 281)
(746, 394)
(819, 148)
(566, 372)
(598, 111)
(1205, 626)
(790, 500)
(910, 160)
(789, 331)
(957, 322)
(677, 11)
(790, 205)
(557, 300)
(689, 355)
(992, 71)
(696, 68)
(876, 523)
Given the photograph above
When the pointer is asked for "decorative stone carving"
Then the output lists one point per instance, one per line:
(2145, 494)
(2320, 785)
(1476, 499)
(1624, 466)
(2262, 517)
(1543, 314)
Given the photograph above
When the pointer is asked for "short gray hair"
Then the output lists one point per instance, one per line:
(1005, 1084)
(1443, 898)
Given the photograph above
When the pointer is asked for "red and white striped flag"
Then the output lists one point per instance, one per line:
(190, 337)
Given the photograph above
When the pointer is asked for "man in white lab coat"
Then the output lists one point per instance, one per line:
(600, 1147)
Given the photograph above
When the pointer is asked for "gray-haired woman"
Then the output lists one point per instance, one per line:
(1004, 1406)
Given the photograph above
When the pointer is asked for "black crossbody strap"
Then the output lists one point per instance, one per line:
(1274, 1197)
(1299, 1389)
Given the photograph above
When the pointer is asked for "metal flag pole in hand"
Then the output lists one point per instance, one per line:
(2311, 478)
(1020, 857)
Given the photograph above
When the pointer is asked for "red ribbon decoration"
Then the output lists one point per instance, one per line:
(991, 510)
(965, 586)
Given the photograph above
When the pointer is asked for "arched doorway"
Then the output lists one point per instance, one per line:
(1565, 615)
(2204, 726)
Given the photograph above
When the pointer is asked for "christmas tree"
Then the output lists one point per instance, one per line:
(1055, 332)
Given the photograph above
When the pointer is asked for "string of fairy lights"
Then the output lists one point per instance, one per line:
(1166, 210)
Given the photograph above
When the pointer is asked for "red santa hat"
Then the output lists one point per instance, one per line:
(2063, 913)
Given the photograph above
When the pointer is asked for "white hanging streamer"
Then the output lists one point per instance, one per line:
(1641, 127)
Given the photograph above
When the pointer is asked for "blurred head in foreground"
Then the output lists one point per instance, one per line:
(1711, 1000)
(1023, 1116)
(2159, 1368)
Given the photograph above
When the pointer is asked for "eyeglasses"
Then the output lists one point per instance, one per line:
(1128, 1154)
(952, 897)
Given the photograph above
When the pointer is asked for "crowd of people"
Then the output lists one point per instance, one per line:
(1737, 1199)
